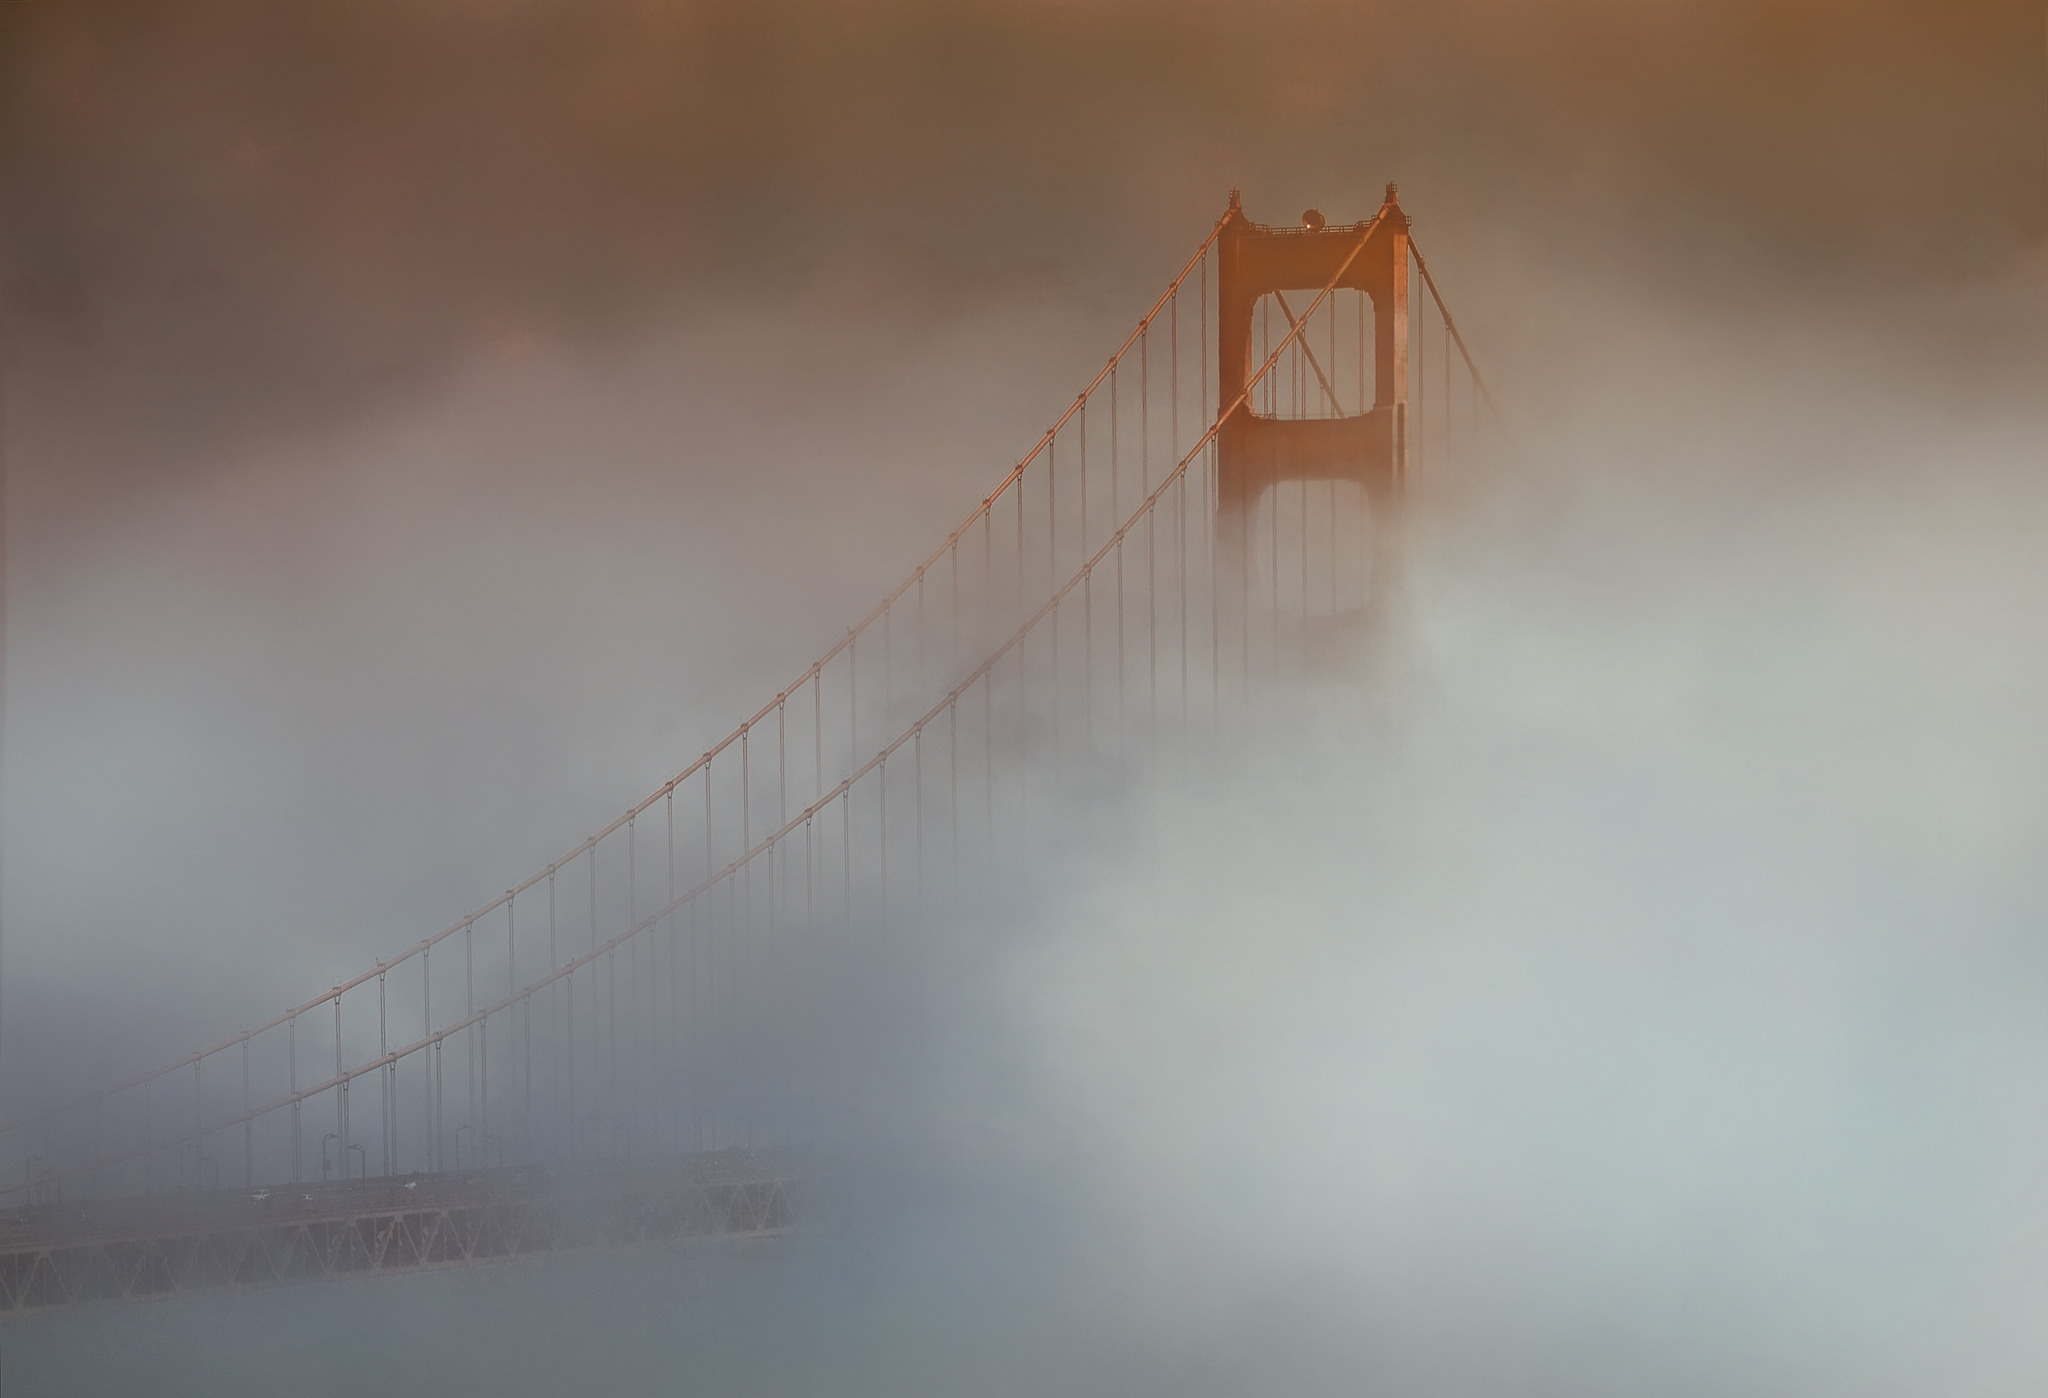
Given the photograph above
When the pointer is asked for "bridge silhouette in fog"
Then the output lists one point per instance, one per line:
(640, 1041)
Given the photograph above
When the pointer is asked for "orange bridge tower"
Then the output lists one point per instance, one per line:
(1356, 442)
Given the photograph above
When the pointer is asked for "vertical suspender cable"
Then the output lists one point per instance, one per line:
(1024, 772)
(591, 868)
(953, 737)
(700, 933)
(1244, 561)
(917, 821)
(988, 745)
(781, 811)
(427, 1068)
(673, 1094)
(1151, 519)
(564, 1083)
(1052, 572)
(737, 986)
(953, 810)
(1333, 410)
(1087, 606)
(340, 1092)
(1273, 552)
(1116, 513)
(1421, 394)
(248, 1122)
(632, 976)
(1180, 530)
(1209, 504)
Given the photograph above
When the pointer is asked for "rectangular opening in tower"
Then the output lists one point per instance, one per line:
(1326, 371)
(1308, 552)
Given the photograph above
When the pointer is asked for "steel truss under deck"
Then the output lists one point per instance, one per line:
(213, 1240)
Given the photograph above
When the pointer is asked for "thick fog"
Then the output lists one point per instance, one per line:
(427, 427)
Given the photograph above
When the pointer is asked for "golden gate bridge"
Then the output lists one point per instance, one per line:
(636, 1043)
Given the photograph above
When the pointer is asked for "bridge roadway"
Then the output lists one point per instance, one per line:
(223, 1239)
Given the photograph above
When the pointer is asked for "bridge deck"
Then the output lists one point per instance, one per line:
(204, 1240)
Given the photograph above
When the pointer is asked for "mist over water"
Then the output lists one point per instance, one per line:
(1637, 986)
(1622, 973)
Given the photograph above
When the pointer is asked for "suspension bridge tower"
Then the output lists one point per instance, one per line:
(1333, 440)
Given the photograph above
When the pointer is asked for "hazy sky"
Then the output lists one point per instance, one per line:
(224, 218)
